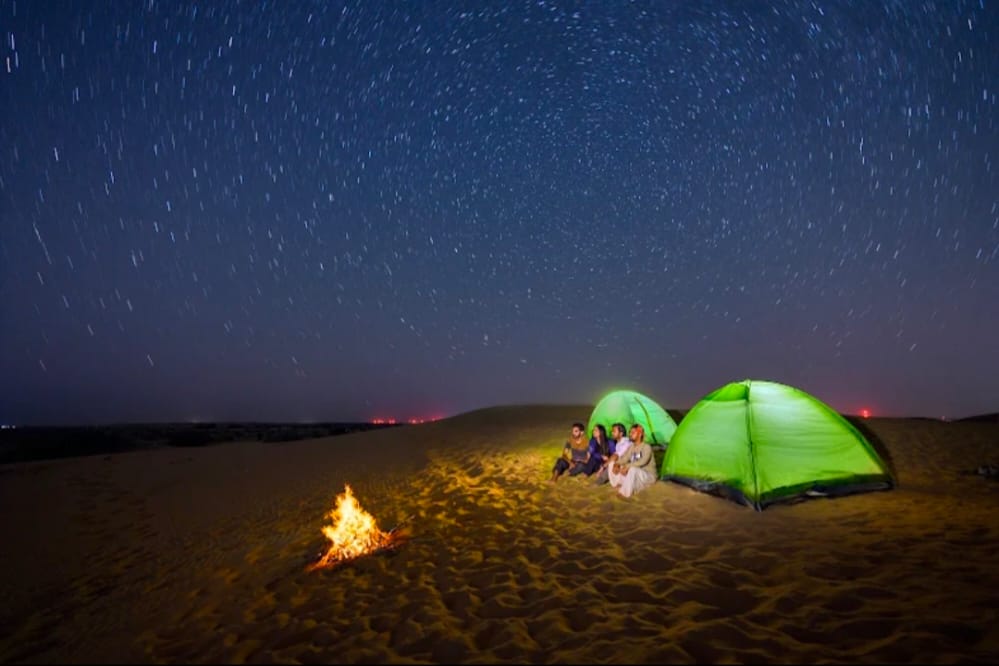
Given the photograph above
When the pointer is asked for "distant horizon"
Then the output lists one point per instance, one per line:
(419, 421)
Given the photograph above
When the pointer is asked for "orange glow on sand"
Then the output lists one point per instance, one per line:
(353, 534)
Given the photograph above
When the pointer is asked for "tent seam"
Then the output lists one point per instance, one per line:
(648, 419)
(752, 445)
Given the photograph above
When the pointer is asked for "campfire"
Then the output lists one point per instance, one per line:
(354, 534)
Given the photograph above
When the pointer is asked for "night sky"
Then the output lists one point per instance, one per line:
(280, 211)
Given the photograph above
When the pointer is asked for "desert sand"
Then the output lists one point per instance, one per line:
(199, 555)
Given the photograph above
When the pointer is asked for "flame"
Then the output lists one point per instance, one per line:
(353, 533)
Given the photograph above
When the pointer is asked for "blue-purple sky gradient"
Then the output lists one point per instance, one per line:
(284, 211)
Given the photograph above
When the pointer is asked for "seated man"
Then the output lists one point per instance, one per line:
(636, 471)
(621, 447)
(574, 453)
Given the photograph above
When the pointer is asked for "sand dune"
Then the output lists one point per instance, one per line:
(200, 554)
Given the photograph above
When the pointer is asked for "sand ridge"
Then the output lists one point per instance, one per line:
(199, 555)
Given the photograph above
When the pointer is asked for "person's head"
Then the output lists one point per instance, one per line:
(600, 433)
(578, 429)
(637, 434)
(617, 431)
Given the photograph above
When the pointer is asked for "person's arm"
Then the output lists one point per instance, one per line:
(608, 461)
(567, 452)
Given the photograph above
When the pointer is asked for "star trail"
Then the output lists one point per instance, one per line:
(338, 211)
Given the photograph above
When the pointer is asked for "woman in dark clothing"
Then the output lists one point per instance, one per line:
(604, 445)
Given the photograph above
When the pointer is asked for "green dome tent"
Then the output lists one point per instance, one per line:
(758, 442)
(629, 408)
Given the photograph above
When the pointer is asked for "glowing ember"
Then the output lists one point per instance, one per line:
(353, 533)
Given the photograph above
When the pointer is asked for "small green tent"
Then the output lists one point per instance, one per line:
(759, 442)
(629, 408)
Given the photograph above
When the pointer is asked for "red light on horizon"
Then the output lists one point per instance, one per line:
(416, 420)
(866, 413)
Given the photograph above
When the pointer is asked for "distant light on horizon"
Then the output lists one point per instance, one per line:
(414, 420)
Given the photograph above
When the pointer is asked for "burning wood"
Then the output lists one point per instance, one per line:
(354, 534)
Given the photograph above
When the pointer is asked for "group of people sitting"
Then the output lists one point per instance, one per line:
(625, 462)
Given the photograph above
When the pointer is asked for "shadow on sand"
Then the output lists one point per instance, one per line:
(861, 424)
